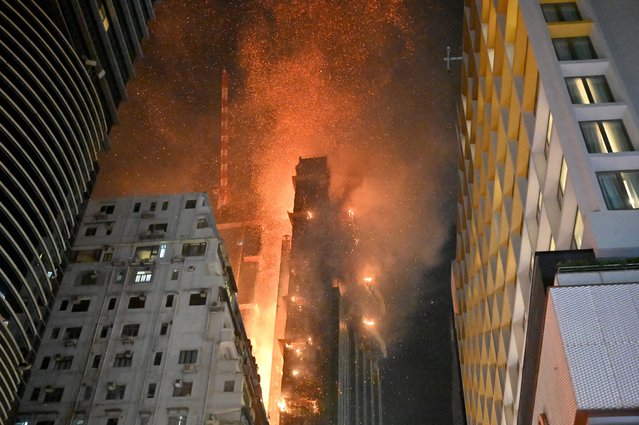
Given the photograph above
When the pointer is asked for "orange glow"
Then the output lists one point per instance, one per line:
(295, 372)
(368, 279)
(281, 404)
(351, 214)
(368, 322)
(309, 214)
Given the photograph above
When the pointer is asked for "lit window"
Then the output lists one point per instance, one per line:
(561, 12)
(578, 232)
(587, 90)
(620, 189)
(143, 276)
(194, 249)
(563, 177)
(148, 252)
(104, 18)
(187, 357)
(162, 250)
(574, 48)
(605, 136)
(548, 136)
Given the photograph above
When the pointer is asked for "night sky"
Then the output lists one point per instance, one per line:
(363, 82)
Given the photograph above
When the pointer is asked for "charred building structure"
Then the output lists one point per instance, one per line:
(63, 64)
(330, 346)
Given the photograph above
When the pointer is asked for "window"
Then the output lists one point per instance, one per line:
(202, 222)
(150, 392)
(143, 276)
(72, 333)
(53, 395)
(182, 389)
(164, 329)
(137, 302)
(158, 227)
(548, 136)
(119, 276)
(187, 357)
(109, 229)
(123, 359)
(55, 333)
(136, 207)
(574, 48)
(104, 17)
(560, 12)
(190, 204)
(107, 256)
(620, 189)
(147, 252)
(196, 249)
(107, 209)
(605, 136)
(80, 306)
(104, 331)
(90, 231)
(540, 203)
(578, 231)
(131, 329)
(89, 278)
(165, 205)
(63, 362)
(115, 392)
(588, 90)
(157, 360)
(177, 420)
(86, 256)
(111, 305)
(153, 205)
(563, 177)
(175, 274)
(44, 364)
(169, 300)
(35, 394)
(88, 392)
(229, 386)
(198, 298)
(96, 361)
(64, 304)
(112, 421)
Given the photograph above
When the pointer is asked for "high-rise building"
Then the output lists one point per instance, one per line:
(548, 134)
(146, 326)
(53, 124)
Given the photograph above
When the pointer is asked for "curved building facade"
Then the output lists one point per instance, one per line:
(51, 127)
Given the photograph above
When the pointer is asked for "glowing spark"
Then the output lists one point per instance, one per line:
(368, 322)
(351, 214)
(309, 214)
(295, 372)
(281, 404)
(293, 298)
(368, 279)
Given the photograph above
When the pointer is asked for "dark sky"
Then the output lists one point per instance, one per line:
(363, 82)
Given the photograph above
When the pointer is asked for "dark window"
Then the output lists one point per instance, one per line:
(150, 392)
(202, 222)
(198, 298)
(112, 421)
(187, 357)
(165, 205)
(157, 360)
(164, 329)
(53, 395)
(112, 302)
(107, 209)
(177, 420)
(175, 274)
(108, 256)
(55, 333)
(605, 136)
(72, 333)
(588, 90)
(63, 362)
(182, 389)
(136, 207)
(45, 423)
(90, 231)
(35, 394)
(574, 48)
(123, 359)
(158, 227)
(64, 304)
(561, 12)
(169, 301)
(96, 361)
(190, 204)
(115, 392)
(80, 306)
(131, 329)
(44, 364)
(620, 189)
(89, 278)
(196, 249)
(88, 391)
(152, 207)
(137, 302)
(229, 386)
(104, 331)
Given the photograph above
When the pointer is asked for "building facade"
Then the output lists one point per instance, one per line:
(55, 119)
(548, 134)
(146, 326)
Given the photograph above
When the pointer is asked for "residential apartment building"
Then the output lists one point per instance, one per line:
(146, 327)
(548, 134)
(55, 119)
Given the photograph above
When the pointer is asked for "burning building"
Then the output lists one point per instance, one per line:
(331, 346)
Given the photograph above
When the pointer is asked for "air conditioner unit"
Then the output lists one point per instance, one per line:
(76, 300)
(203, 293)
(111, 386)
(177, 383)
(126, 339)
